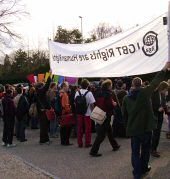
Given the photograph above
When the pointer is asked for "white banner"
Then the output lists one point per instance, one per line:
(140, 50)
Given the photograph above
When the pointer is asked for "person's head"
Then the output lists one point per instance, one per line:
(85, 84)
(9, 92)
(32, 90)
(19, 89)
(119, 84)
(107, 84)
(163, 87)
(53, 86)
(136, 82)
(7, 87)
(65, 86)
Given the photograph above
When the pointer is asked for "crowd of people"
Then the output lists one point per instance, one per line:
(133, 109)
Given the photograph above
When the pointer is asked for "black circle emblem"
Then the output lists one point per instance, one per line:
(150, 43)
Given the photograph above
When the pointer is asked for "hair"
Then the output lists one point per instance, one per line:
(85, 84)
(52, 85)
(64, 84)
(162, 86)
(8, 91)
(19, 90)
(106, 84)
(7, 86)
(32, 90)
(119, 83)
(137, 82)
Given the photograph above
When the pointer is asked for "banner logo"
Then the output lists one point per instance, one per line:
(150, 42)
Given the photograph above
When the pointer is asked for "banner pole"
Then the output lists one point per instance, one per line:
(169, 31)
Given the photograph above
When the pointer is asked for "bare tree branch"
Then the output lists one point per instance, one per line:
(10, 12)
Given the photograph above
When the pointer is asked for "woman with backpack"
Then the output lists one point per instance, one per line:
(105, 102)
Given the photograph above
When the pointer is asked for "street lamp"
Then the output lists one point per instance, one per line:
(81, 18)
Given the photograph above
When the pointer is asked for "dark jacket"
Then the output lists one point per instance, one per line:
(157, 103)
(43, 102)
(137, 108)
(8, 108)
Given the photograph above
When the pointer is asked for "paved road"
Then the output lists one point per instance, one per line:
(74, 163)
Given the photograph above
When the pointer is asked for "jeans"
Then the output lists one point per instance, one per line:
(53, 127)
(34, 122)
(140, 146)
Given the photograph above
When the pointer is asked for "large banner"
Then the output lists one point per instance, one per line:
(140, 50)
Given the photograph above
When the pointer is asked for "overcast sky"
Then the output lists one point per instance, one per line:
(46, 15)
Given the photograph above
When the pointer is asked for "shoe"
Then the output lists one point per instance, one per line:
(116, 148)
(96, 155)
(88, 146)
(4, 144)
(11, 145)
(47, 143)
(155, 154)
(23, 140)
(147, 170)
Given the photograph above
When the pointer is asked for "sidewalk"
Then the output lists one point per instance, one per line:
(12, 167)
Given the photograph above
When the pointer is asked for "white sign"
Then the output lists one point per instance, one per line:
(140, 50)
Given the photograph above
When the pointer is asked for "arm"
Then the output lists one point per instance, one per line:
(47, 85)
(162, 75)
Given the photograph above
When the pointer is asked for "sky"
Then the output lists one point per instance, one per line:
(46, 15)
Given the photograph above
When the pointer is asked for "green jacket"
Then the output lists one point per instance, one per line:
(137, 108)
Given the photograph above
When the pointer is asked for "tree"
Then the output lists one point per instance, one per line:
(104, 30)
(10, 12)
(73, 36)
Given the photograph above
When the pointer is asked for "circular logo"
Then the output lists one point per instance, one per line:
(150, 43)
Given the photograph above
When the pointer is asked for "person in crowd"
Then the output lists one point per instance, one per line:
(32, 100)
(8, 118)
(119, 123)
(140, 119)
(168, 110)
(159, 108)
(65, 131)
(22, 108)
(83, 115)
(73, 90)
(52, 92)
(43, 104)
(105, 101)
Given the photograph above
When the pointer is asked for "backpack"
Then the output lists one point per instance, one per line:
(57, 104)
(23, 107)
(81, 104)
